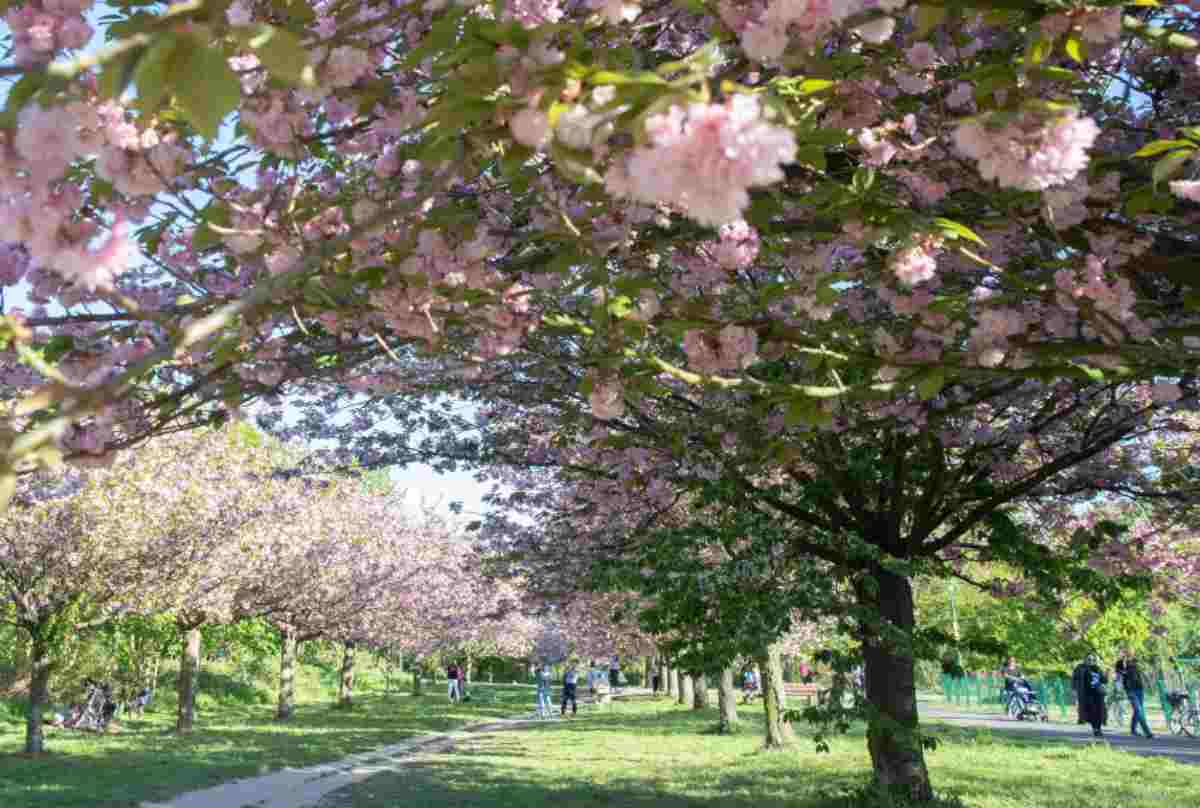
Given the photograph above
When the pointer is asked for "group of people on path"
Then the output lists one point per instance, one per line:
(1090, 683)
(570, 690)
(1091, 690)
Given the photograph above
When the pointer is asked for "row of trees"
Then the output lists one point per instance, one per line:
(212, 529)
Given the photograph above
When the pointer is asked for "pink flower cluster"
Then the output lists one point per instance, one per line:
(41, 27)
(703, 159)
(765, 36)
(1030, 153)
(913, 265)
(607, 399)
(733, 348)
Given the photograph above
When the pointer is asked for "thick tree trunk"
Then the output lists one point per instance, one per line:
(779, 732)
(189, 672)
(287, 674)
(346, 686)
(727, 702)
(893, 734)
(672, 682)
(685, 690)
(39, 690)
(664, 673)
(700, 694)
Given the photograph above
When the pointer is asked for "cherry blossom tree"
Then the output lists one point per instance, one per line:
(79, 550)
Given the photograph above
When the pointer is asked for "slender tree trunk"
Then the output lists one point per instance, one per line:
(685, 690)
(727, 702)
(779, 732)
(287, 674)
(700, 696)
(416, 682)
(39, 690)
(346, 686)
(647, 672)
(672, 682)
(189, 672)
(894, 733)
(663, 675)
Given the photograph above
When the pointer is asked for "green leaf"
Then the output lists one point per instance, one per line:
(153, 75)
(283, 55)
(1159, 146)
(928, 18)
(206, 88)
(57, 347)
(1076, 48)
(953, 229)
(931, 382)
(1038, 50)
(19, 95)
(1170, 165)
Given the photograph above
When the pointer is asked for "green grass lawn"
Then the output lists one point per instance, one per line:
(658, 754)
(147, 762)
(643, 753)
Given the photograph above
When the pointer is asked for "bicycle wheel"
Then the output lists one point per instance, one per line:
(1191, 724)
(1176, 721)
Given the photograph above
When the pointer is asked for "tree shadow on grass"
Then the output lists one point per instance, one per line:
(148, 762)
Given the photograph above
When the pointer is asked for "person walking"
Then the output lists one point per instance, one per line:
(1089, 681)
(593, 678)
(543, 691)
(1135, 688)
(570, 678)
(614, 673)
(452, 682)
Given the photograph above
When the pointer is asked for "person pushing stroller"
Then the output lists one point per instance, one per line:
(1019, 695)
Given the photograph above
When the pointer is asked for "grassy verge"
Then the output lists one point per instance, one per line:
(656, 754)
(145, 761)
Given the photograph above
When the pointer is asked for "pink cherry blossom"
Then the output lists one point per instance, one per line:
(704, 158)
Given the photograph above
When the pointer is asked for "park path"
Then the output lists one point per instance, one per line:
(297, 788)
(1181, 749)
(303, 787)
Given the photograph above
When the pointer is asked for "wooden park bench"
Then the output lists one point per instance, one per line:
(800, 690)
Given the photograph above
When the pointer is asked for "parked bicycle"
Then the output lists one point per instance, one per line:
(1185, 714)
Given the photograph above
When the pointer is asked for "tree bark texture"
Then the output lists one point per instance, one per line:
(39, 690)
(685, 690)
(189, 672)
(346, 685)
(700, 694)
(664, 674)
(779, 731)
(893, 734)
(727, 703)
(287, 674)
(672, 682)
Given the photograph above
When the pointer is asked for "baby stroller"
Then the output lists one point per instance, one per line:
(1022, 701)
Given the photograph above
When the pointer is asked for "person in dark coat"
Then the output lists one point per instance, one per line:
(1089, 681)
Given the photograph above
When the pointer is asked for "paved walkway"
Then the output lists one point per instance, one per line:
(297, 788)
(1182, 749)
